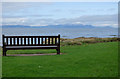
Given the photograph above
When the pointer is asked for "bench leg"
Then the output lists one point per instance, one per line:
(4, 52)
(58, 51)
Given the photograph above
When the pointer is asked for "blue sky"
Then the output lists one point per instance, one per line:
(99, 14)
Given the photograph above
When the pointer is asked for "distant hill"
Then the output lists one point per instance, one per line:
(69, 26)
(15, 26)
(53, 26)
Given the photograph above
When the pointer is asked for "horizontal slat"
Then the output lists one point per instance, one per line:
(29, 36)
(31, 48)
(35, 45)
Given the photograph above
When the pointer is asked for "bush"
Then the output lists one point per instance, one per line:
(70, 43)
(79, 41)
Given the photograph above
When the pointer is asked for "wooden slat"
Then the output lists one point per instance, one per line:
(17, 41)
(21, 41)
(52, 40)
(32, 48)
(6, 41)
(35, 41)
(29, 36)
(55, 40)
(48, 41)
(34, 45)
(31, 41)
(42, 41)
(45, 40)
(13, 41)
(38, 41)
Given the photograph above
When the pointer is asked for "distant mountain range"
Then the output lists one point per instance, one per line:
(53, 26)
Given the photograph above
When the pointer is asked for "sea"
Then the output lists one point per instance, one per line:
(69, 33)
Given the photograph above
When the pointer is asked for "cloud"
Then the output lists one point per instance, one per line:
(70, 10)
(95, 20)
(100, 20)
(57, 10)
(12, 7)
(111, 9)
(77, 11)
(14, 21)
(24, 16)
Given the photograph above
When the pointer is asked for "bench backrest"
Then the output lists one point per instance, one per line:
(31, 40)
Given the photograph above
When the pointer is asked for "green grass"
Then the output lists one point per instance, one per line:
(38, 51)
(89, 60)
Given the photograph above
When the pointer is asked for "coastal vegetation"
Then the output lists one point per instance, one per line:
(84, 40)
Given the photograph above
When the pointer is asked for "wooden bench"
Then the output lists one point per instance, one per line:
(30, 42)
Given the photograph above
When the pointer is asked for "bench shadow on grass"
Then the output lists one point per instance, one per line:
(31, 52)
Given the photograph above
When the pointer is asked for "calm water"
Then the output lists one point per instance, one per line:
(64, 32)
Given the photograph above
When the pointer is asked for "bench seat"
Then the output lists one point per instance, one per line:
(30, 47)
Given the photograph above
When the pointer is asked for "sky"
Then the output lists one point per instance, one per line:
(60, 0)
(99, 14)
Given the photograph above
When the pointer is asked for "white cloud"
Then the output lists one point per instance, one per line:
(98, 20)
(95, 20)
(14, 20)
(38, 25)
(103, 25)
(13, 7)
(77, 23)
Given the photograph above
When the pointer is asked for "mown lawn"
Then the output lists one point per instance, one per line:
(89, 60)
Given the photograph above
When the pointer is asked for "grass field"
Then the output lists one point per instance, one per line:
(88, 60)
